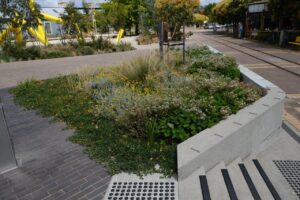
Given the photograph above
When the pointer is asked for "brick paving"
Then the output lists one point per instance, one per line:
(52, 167)
(290, 83)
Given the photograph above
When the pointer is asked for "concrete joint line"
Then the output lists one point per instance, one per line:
(216, 134)
(253, 113)
(237, 123)
(196, 150)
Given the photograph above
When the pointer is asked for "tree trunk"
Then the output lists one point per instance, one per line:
(137, 31)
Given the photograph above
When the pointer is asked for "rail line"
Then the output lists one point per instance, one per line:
(261, 59)
(269, 54)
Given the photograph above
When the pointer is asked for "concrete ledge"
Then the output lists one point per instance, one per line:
(240, 135)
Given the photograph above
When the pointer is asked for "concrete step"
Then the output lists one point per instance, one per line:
(258, 181)
(278, 181)
(190, 188)
(238, 181)
(216, 183)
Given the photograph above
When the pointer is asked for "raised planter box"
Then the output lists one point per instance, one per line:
(240, 135)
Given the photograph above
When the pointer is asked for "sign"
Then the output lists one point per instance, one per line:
(7, 156)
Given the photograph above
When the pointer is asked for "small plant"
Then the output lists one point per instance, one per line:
(214, 62)
(21, 52)
(101, 44)
(85, 50)
(124, 46)
(139, 68)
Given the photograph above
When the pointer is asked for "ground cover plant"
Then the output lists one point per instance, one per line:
(131, 117)
(11, 51)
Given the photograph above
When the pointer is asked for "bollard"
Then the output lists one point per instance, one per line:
(7, 156)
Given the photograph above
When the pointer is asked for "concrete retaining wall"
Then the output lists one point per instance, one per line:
(240, 135)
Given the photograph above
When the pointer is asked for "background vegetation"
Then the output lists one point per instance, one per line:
(17, 52)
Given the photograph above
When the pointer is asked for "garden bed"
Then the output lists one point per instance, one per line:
(131, 117)
(18, 52)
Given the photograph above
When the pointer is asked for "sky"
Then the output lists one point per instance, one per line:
(53, 3)
(205, 2)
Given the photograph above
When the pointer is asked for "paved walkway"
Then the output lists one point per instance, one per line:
(13, 73)
(253, 55)
(52, 167)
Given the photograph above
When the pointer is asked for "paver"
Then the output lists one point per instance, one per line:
(52, 167)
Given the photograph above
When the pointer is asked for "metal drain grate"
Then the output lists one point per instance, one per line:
(291, 172)
(142, 190)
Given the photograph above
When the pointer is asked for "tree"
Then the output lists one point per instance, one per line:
(133, 8)
(72, 17)
(208, 9)
(116, 14)
(176, 12)
(86, 23)
(220, 12)
(102, 21)
(148, 19)
(19, 13)
(199, 19)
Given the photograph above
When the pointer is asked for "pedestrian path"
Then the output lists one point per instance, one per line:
(50, 166)
(13, 73)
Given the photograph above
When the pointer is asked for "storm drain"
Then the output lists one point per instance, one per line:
(142, 191)
(290, 169)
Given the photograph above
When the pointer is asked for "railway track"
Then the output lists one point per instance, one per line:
(266, 53)
(256, 57)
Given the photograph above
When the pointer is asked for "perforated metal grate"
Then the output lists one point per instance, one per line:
(142, 190)
(290, 169)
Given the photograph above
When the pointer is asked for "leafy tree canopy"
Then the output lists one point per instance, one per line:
(176, 12)
(129, 11)
(19, 12)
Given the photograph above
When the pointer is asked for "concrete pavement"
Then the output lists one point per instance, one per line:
(13, 73)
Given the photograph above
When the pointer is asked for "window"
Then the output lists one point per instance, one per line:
(257, 8)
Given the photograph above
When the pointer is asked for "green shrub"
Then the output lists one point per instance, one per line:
(85, 50)
(196, 53)
(216, 62)
(57, 51)
(124, 46)
(20, 52)
(101, 44)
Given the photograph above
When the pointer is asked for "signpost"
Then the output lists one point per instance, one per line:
(7, 156)
(165, 40)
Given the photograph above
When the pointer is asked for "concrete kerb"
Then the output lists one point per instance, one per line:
(240, 135)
